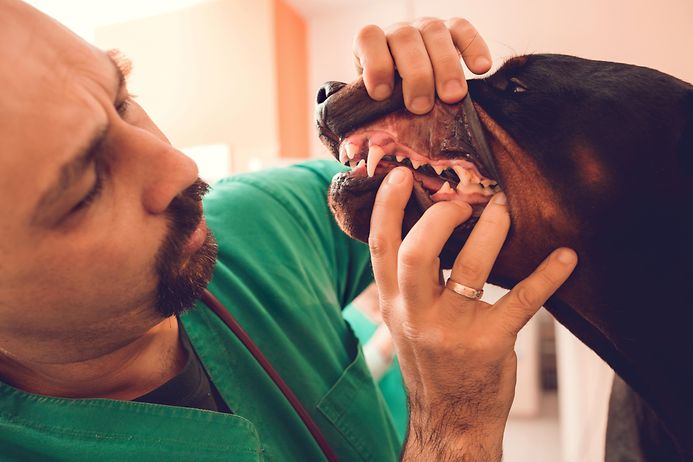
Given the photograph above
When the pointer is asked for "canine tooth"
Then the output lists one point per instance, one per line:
(487, 183)
(352, 150)
(353, 164)
(463, 174)
(375, 153)
(399, 158)
(361, 162)
(445, 188)
(438, 168)
(416, 164)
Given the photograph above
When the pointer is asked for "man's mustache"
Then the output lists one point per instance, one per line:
(185, 211)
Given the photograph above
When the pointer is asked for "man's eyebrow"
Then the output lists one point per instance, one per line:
(122, 67)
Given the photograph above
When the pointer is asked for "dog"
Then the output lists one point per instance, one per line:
(596, 156)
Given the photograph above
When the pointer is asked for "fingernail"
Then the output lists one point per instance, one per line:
(500, 199)
(421, 104)
(453, 88)
(396, 176)
(381, 92)
(566, 257)
(481, 62)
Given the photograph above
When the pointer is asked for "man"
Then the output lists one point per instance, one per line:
(104, 247)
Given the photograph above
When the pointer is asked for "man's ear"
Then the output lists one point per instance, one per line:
(686, 144)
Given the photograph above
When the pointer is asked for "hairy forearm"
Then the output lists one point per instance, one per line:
(459, 426)
(445, 441)
(471, 447)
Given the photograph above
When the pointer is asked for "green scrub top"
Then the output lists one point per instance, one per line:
(284, 270)
(391, 384)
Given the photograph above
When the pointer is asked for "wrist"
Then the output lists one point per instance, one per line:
(481, 443)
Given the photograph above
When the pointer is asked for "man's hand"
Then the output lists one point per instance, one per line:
(456, 354)
(427, 56)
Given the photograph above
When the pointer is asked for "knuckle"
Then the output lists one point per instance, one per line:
(419, 72)
(378, 71)
(525, 296)
(403, 33)
(432, 26)
(448, 63)
(378, 245)
(368, 33)
(468, 270)
(410, 256)
(546, 279)
(460, 24)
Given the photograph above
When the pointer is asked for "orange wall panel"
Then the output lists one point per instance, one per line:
(292, 76)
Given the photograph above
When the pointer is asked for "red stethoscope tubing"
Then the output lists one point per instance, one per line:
(225, 315)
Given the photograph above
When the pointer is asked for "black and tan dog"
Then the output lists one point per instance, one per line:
(596, 156)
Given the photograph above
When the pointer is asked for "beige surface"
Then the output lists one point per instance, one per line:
(206, 74)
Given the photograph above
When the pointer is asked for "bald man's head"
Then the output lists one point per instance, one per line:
(97, 208)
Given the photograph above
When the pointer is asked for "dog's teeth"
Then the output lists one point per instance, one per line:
(470, 188)
(438, 168)
(416, 164)
(486, 183)
(353, 164)
(463, 174)
(399, 158)
(352, 150)
(375, 153)
(445, 188)
(360, 164)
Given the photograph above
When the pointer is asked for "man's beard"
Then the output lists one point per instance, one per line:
(182, 282)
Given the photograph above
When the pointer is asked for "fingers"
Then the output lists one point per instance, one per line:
(414, 65)
(450, 82)
(386, 228)
(427, 56)
(474, 262)
(373, 59)
(523, 301)
(475, 52)
(418, 263)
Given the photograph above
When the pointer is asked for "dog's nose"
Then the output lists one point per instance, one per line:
(328, 89)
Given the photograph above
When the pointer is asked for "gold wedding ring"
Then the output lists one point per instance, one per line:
(465, 291)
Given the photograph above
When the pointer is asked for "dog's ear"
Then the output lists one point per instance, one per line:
(686, 144)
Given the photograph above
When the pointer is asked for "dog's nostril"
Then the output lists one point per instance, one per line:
(322, 95)
(328, 89)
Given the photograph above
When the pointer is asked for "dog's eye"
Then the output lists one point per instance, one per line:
(516, 85)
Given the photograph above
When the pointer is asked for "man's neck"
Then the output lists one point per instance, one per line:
(125, 374)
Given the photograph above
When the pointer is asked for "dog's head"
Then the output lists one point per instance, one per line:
(592, 155)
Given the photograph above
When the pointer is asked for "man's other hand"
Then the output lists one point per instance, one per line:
(426, 54)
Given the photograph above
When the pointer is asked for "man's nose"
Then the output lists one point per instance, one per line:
(328, 89)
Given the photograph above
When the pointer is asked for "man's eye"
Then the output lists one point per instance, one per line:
(90, 196)
(123, 105)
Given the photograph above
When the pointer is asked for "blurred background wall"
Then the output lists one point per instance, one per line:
(232, 83)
